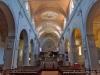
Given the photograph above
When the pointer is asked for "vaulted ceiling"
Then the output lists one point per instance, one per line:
(49, 11)
(49, 16)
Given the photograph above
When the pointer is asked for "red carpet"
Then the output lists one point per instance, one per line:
(50, 73)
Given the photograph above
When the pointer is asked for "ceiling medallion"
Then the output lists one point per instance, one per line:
(51, 15)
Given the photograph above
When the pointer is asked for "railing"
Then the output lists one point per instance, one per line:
(67, 72)
(80, 72)
(93, 72)
(25, 70)
(74, 73)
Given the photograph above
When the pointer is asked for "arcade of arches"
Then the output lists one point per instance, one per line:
(56, 39)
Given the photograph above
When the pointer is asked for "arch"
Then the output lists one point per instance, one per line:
(93, 34)
(76, 45)
(50, 32)
(92, 14)
(7, 26)
(23, 58)
(49, 44)
(7, 34)
(49, 36)
(5, 10)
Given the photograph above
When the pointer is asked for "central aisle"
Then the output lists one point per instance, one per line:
(50, 73)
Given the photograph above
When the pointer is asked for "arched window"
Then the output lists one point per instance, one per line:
(23, 49)
(27, 7)
(71, 7)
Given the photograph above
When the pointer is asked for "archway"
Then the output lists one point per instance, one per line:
(78, 56)
(23, 56)
(7, 35)
(49, 44)
(93, 35)
(49, 41)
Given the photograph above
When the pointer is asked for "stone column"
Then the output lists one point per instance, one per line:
(86, 55)
(35, 53)
(73, 53)
(37, 47)
(26, 54)
(8, 52)
(62, 49)
(15, 54)
(32, 57)
(92, 52)
(32, 63)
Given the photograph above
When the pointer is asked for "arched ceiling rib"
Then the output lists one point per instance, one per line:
(47, 25)
(43, 8)
(49, 15)
(53, 32)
